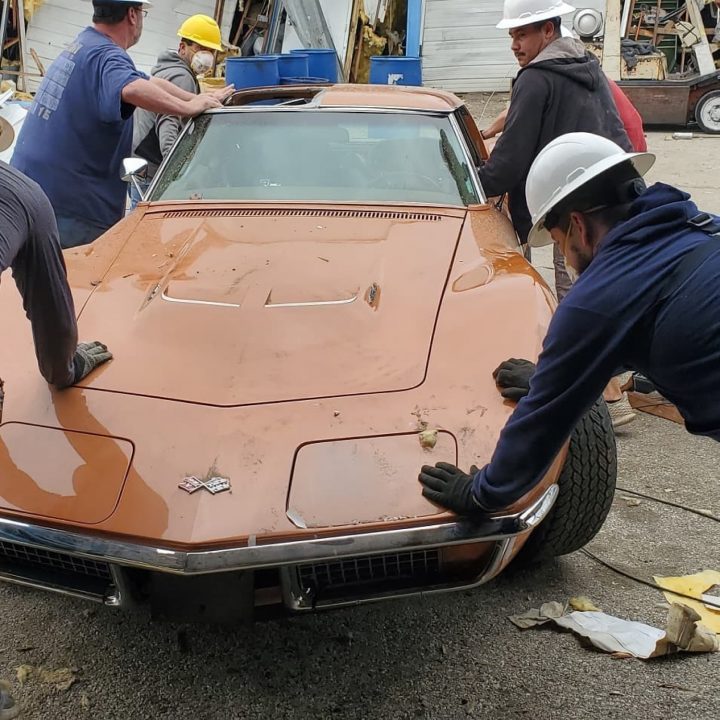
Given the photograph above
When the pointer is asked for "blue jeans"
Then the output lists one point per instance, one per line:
(75, 232)
(135, 195)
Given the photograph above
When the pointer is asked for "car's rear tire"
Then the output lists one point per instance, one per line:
(587, 486)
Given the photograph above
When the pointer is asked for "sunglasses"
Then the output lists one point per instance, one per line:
(552, 219)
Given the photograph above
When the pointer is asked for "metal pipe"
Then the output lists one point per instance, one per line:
(20, 6)
(3, 23)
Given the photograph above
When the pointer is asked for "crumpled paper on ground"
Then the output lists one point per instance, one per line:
(62, 678)
(626, 637)
(696, 585)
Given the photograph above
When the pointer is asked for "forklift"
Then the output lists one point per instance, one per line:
(659, 53)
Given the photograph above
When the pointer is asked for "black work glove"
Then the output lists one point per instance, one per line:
(88, 356)
(513, 378)
(451, 488)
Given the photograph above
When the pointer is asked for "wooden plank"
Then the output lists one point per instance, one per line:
(703, 56)
(611, 44)
(468, 85)
(655, 405)
(485, 34)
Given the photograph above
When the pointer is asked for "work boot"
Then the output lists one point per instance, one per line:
(9, 709)
(621, 412)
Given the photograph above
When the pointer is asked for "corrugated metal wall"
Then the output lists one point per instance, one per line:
(57, 22)
(463, 51)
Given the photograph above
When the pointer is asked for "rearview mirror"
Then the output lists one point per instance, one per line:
(132, 167)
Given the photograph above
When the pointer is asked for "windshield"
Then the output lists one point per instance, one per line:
(319, 156)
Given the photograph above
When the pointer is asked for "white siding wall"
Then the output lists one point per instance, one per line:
(57, 22)
(463, 51)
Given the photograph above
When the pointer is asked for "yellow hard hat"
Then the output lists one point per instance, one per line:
(203, 30)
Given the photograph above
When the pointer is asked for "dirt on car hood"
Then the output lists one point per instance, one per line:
(256, 305)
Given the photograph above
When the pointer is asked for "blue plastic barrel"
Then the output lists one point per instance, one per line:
(252, 71)
(293, 65)
(303, 81)
(392, 70)
(322, 63)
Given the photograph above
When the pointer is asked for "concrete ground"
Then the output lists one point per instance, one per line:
(443, 658)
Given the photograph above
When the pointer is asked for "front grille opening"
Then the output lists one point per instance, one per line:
(371, 574)
(54, 570)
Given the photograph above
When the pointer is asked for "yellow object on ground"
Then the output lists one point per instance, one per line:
(695, 585)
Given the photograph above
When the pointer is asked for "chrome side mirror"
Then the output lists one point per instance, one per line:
(132, 168)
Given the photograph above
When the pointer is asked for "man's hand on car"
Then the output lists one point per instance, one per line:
(513, 378)
(451, 488)
(222, 94)
(201, 103)
(88, 356)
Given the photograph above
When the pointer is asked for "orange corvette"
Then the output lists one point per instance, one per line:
(307, 307)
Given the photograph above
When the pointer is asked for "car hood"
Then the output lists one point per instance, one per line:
(245, 306)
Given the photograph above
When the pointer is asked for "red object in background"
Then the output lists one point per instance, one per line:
(630, 117)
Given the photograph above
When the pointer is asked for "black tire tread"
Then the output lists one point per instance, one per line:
(587, 486)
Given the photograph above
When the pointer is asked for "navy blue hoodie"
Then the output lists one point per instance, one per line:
(609, 320)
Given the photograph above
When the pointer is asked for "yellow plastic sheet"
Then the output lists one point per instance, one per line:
(695, 585)
(30, 7)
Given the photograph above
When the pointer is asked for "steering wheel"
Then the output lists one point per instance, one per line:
(385, 180)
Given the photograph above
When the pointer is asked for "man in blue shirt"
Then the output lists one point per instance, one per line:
(79, 128)
(646, 297)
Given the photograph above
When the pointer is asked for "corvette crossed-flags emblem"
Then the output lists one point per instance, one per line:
(214, 485)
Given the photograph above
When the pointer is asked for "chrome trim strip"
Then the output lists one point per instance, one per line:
(312, 303)
(309, 107)
(165, 296)
(298, 599)
(277, 554)
(468, 159)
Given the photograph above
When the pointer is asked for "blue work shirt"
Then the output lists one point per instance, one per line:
(79, 130)
(619, 315)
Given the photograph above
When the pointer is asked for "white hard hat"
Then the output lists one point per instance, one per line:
(517, 13)
(566, 164)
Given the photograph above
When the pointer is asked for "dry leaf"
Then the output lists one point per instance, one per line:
(583, 604)
(428, 439)
(62, 678)
(85, 701)
(23, 673)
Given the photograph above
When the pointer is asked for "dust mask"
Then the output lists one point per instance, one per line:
(202, 62)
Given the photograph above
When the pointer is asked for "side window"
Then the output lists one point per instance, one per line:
(472, 136)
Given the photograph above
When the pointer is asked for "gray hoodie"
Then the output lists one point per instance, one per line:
(154, 134)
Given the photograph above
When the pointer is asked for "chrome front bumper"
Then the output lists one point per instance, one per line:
(500, 529)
